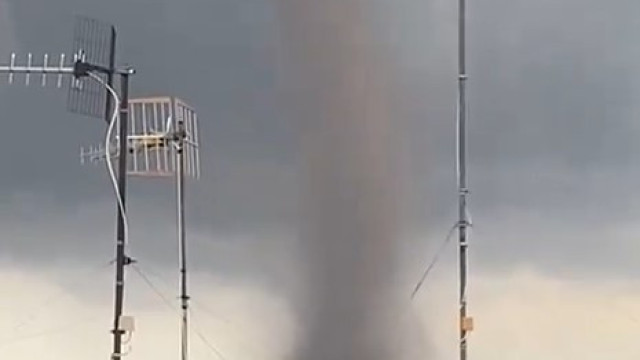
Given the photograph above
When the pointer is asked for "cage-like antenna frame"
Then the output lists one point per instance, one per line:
(152, 139)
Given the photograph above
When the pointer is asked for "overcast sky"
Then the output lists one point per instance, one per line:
(553, 159)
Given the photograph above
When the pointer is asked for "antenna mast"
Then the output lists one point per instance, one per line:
(184, 297)
(122, 259)
(466, 323)
(97, 41)
(162, 143)
(94, 54)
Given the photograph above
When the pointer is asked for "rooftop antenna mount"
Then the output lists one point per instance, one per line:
(94, 47)
(162, 143)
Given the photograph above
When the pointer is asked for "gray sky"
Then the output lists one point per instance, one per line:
(553, 148)
(220, 60)
(551, 117)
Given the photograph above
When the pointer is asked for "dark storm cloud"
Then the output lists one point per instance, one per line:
(552, 93)
(216, 56)
(552, 128)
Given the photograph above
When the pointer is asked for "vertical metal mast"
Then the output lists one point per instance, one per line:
(184, 297)
(121, 259)
(465, 323)
(165, 151)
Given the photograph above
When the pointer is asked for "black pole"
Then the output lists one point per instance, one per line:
(121, 258)
(182, 234)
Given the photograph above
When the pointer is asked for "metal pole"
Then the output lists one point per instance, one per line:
(462, 179)
(184, 297)
(121, 258)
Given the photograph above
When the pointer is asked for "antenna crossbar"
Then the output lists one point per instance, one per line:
(36, 70)
(80, 68)
(44, 69)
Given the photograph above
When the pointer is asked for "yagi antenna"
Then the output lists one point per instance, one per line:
(42, 69)
(93, 51)
(96, 153)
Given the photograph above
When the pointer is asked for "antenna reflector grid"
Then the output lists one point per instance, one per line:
(92, 43)
(153, 139)
(191, 142)
(152, 146)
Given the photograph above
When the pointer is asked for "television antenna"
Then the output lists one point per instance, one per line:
(94, 45)
(162, 143)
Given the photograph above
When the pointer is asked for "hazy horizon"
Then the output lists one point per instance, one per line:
(552, 161)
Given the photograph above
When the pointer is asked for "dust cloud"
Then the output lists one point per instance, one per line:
(340, 85)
